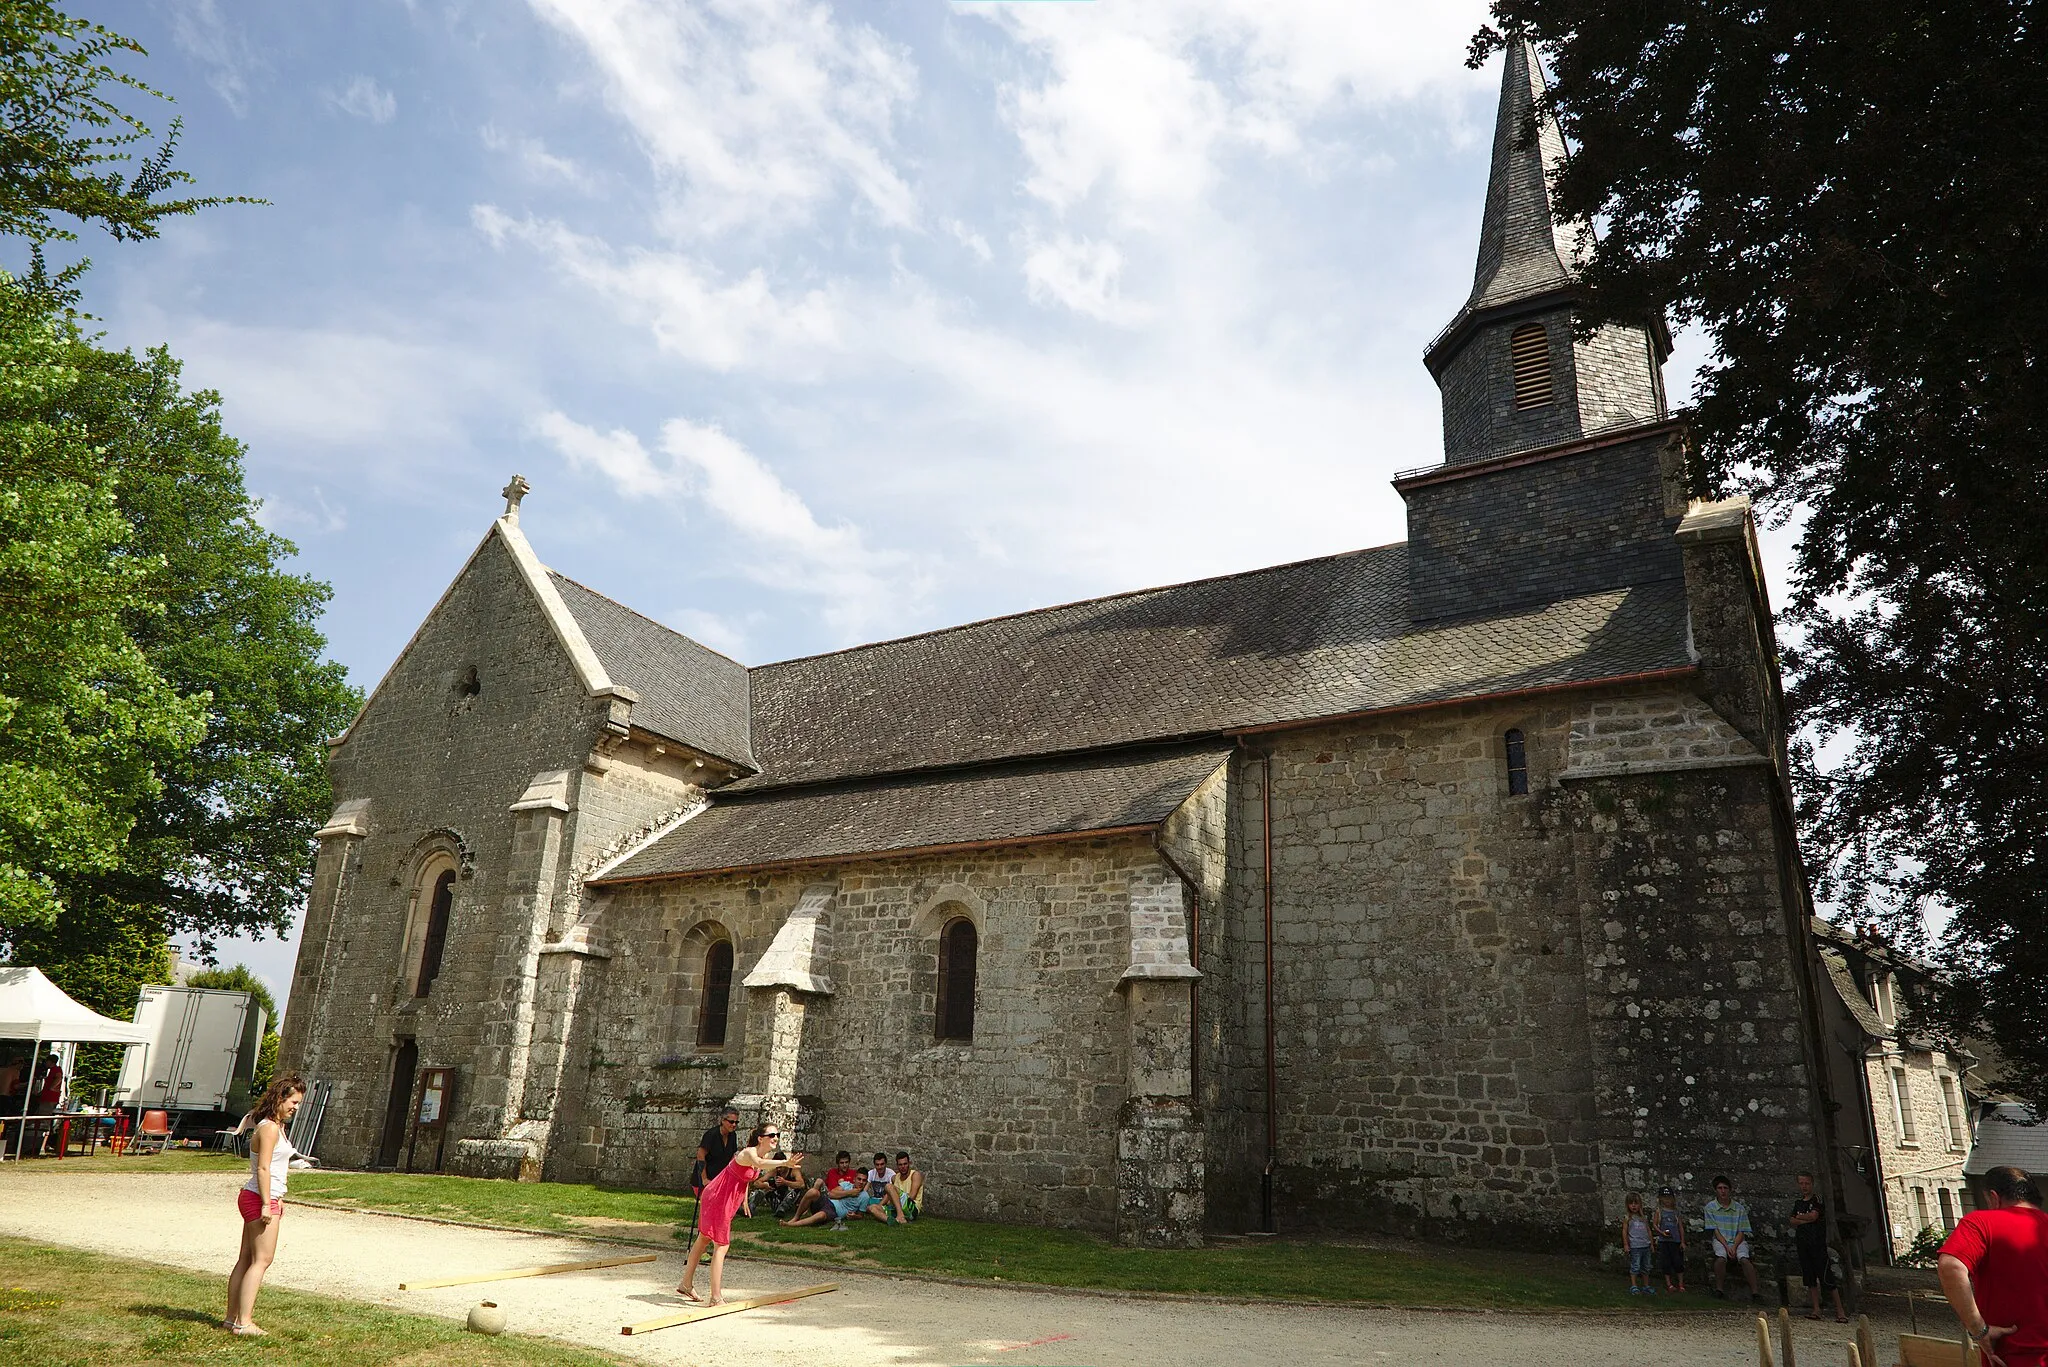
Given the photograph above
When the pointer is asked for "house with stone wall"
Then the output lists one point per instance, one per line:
(1445, 887)
(1909, 1103)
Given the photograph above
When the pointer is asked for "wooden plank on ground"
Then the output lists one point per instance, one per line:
(1923, 1350)
(511, 1273)
(729, 1308)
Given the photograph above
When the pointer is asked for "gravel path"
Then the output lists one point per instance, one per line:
(188, 1220)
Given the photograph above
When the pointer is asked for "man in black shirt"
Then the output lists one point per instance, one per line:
(717, 1147)
(1810, 1236)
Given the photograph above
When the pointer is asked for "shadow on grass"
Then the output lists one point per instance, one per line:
(176, 1313)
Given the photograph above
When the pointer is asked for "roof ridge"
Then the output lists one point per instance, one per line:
(1080, 603)
(1186, 741)
(651, 621)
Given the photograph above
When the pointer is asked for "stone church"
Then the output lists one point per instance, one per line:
(1444, 887)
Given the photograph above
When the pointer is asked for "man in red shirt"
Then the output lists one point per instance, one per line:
(1994, 1271)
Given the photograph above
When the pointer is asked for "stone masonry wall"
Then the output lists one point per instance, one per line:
(1022, 1124)
(431, 757)
(1700, 1061)
(1448, 1064)
(1433, 1071)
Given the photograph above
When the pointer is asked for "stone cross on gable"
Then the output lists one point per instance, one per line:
(513, 492)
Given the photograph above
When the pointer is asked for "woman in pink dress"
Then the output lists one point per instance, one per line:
(715, 1209)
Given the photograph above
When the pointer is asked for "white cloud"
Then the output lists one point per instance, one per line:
(305, 397)
(694, 313)
(617, 455)
(363, 98)
(534, 158)
(785, 546)
(200, 32)
(314, 515)
(759, 111)
(1084, 276)
(970, 239)
(1141, 101)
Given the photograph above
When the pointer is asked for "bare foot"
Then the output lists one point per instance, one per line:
(687, 1294)
(716, 1300)
(248, 1331)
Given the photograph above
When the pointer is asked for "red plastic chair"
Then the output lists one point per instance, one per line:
(154, 1129)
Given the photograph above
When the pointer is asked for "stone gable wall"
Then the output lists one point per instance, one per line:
(1020, 1125)
(430, 759)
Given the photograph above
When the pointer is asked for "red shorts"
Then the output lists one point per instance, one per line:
(251, 1205)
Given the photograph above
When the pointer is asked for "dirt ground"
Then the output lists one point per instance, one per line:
(188, 1220)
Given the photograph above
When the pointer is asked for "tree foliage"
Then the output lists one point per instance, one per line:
(1852, 203)
(162, 695)
(63, 137)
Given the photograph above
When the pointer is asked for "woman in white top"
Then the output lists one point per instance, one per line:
(261, 1199)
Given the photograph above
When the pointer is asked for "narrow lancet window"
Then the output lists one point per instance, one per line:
(1529, 355)
(716, 1001)
(437, 932)
(1518, 763)
(957, 945)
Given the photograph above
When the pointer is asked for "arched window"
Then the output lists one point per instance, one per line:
(715, 998)
(957, 946)
(436, 933)
(1518, 763)
(1529, 355)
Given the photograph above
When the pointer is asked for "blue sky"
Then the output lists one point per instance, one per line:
(811, 323)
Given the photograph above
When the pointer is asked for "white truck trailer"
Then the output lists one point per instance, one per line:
(202, 1041)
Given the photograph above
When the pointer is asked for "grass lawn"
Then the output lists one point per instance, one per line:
(87, 1310)
(1407, 1274)
(1383, 1273)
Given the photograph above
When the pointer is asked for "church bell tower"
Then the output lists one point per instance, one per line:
(1512, 375)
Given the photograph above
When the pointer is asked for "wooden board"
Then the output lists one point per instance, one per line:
(1923, 1350)
(548, 1271)
(712, 1312)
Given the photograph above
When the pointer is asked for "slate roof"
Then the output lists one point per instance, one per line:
(1294, 642)
(1130, 788)
(689, 693)
(1844, 982)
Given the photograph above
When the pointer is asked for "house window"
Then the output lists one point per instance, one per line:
(1883, 995)
(1952, 1110)
(715, 1001)
(1902, 1110)
(957, 945)
(1518, 763)
(1529, 356)
(1948, 1207)
(1920, 1208)
(436, 936)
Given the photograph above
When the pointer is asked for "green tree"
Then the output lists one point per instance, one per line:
(84, 717)
(162, 696)
(1851, 202)
(63, 136)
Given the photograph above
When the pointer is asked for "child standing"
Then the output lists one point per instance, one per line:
(1670, 1239)
(1635, 1238)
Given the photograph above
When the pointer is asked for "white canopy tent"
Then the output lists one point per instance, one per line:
(35, 1009)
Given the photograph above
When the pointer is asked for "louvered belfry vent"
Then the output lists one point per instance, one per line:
(1529, 354)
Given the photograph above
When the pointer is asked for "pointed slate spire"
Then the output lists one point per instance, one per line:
(1523, 250)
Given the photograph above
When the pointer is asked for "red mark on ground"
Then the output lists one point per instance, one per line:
(1013, 1347)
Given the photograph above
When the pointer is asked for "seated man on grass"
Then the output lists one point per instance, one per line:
(841, 1183)
(906, 1192)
